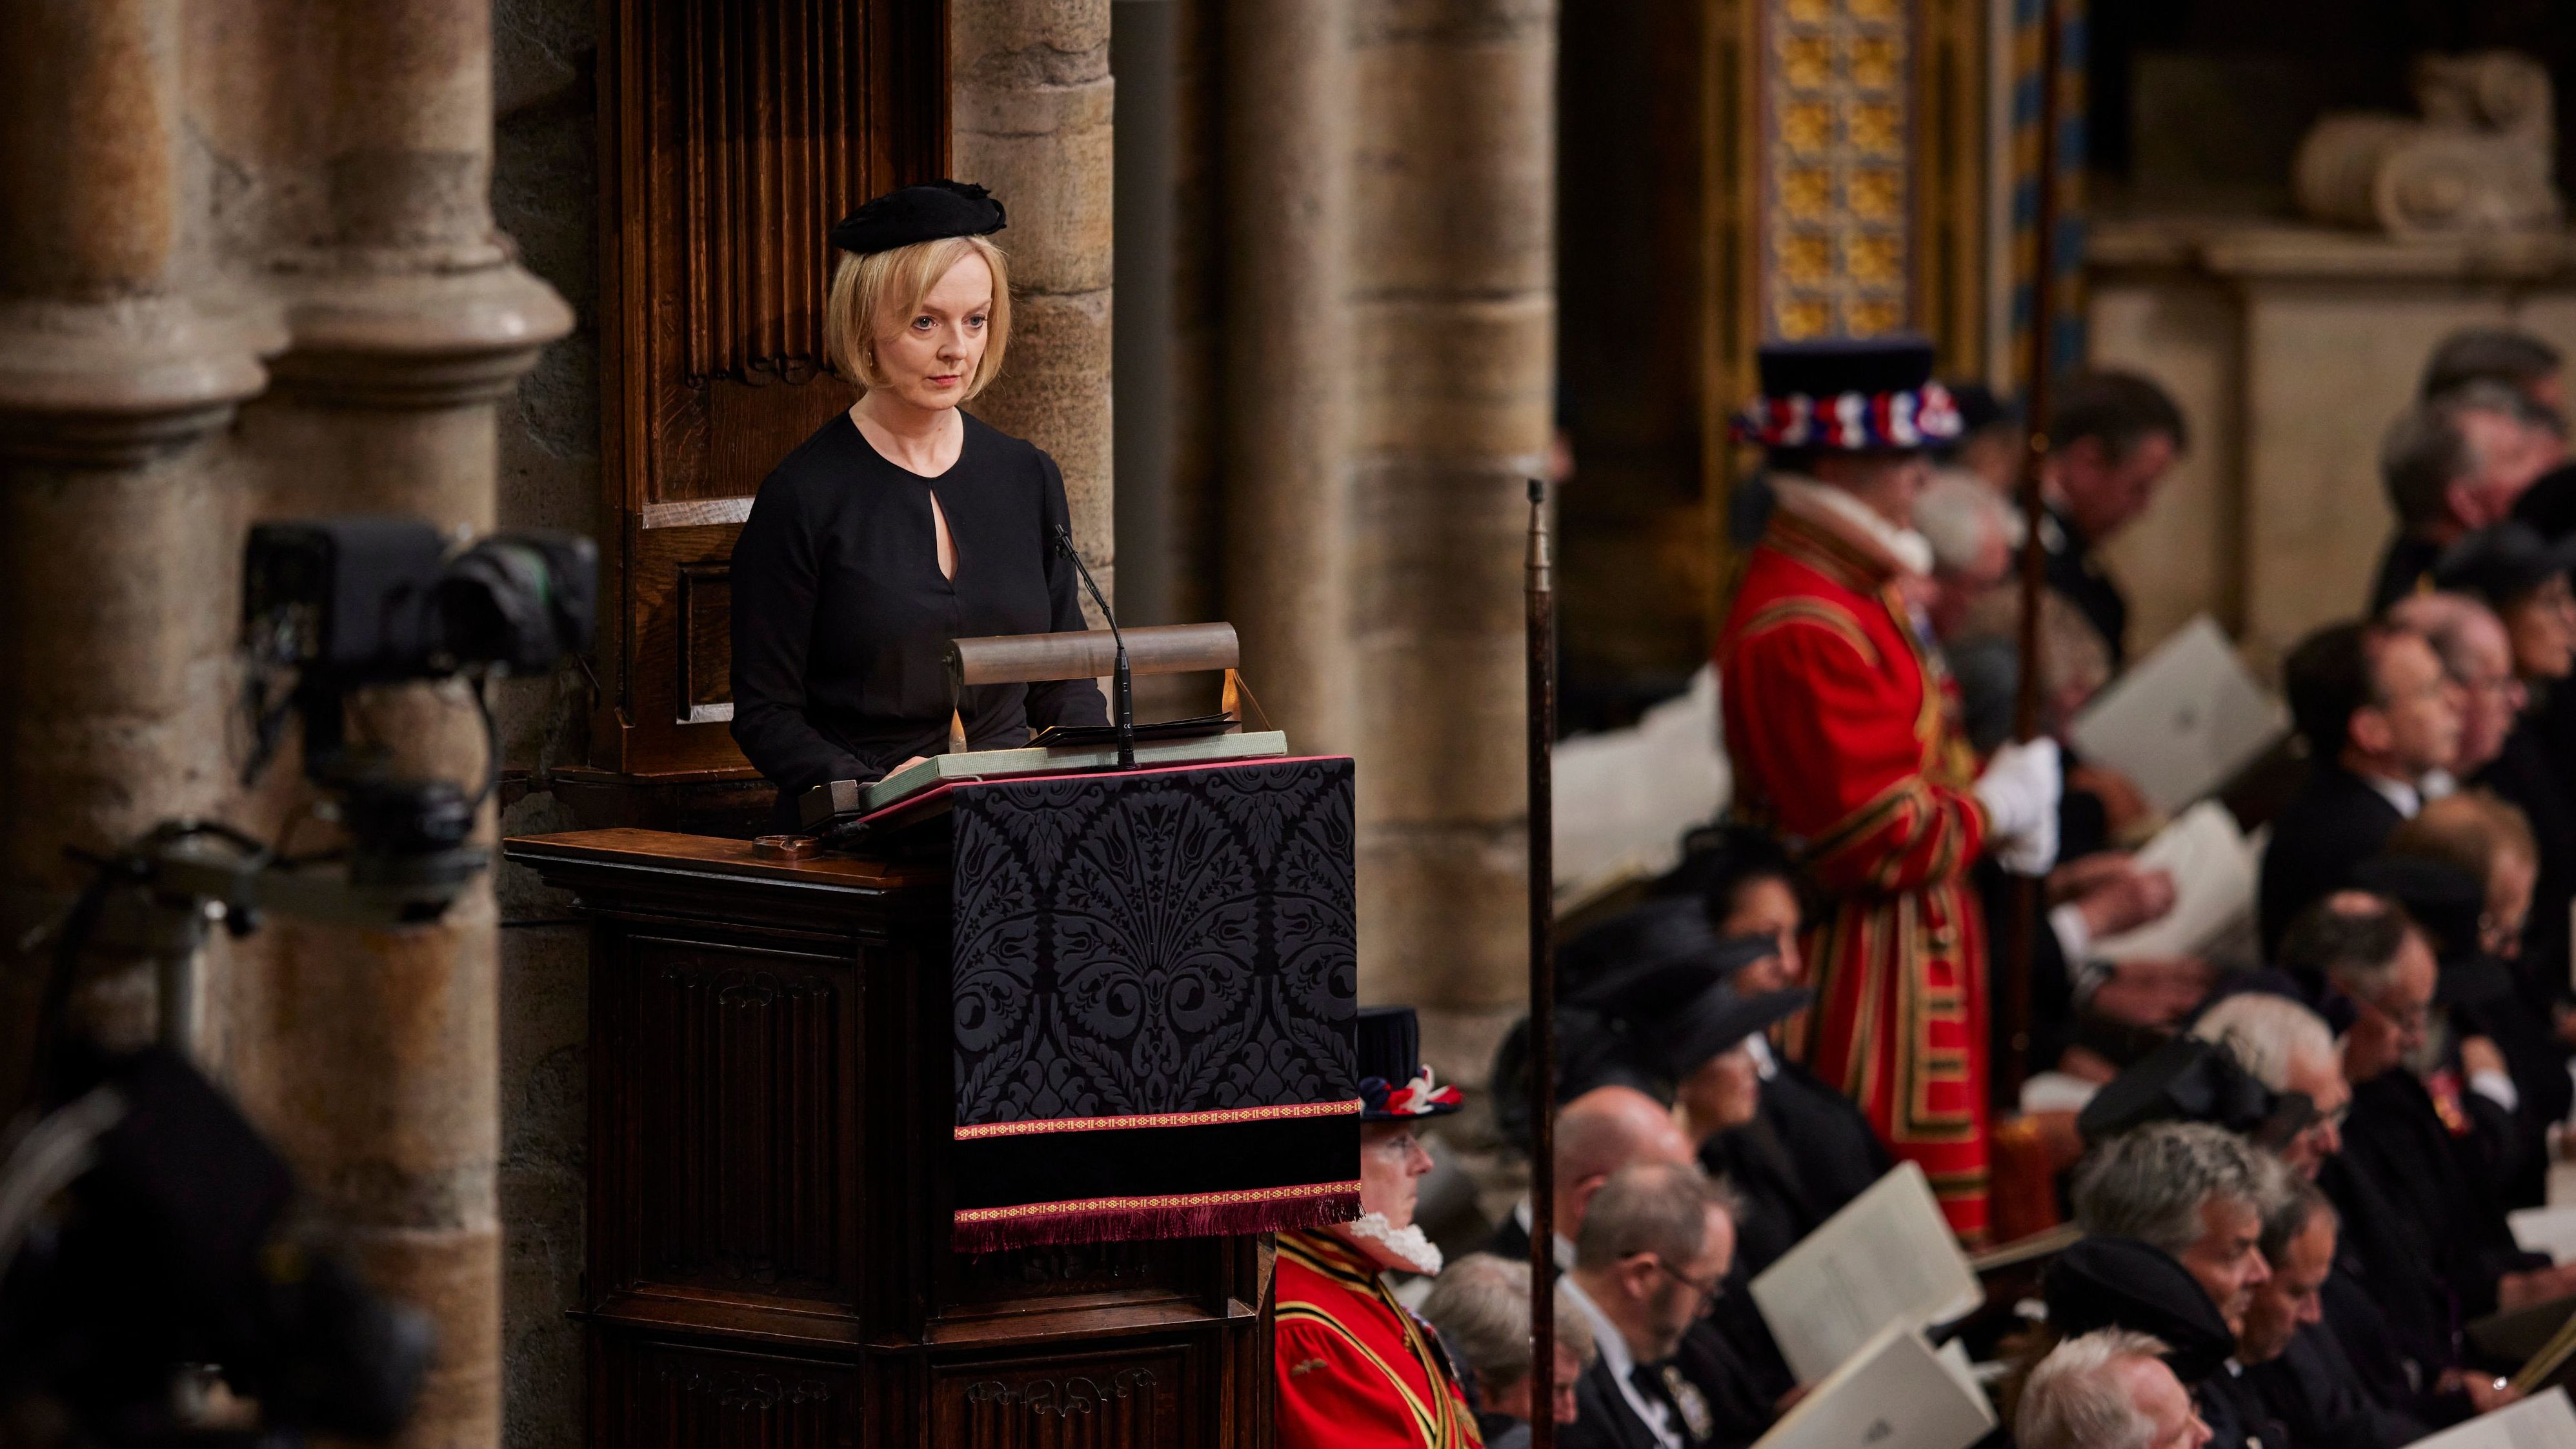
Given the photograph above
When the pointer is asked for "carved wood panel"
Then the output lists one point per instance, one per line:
(1079, 1401)
(733, 133)
(743, 1073)
(1068, 1269)
(663, 1396)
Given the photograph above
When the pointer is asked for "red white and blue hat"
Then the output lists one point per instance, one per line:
(1394, 1084)
(1849, 395)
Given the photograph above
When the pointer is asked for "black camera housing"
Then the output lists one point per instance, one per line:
(366, 600)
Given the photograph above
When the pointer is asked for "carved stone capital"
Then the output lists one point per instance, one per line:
(436, 339)
(117, 383)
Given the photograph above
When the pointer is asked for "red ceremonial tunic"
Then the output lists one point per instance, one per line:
(1844, 736)
(1355, 1370)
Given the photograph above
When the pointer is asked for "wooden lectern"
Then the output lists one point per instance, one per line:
(775, 1095)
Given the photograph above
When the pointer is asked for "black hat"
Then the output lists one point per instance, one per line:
(2123, 1283)
(1394, 1084)
(922, 213)
(2502, 563)
(1591, 1051)
(1711, 1024)
(1981, 406)
(1849, 394)
(2191, 1080)
(2448, 902)
(1653, 957)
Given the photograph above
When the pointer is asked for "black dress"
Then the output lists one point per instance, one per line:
(841, 618)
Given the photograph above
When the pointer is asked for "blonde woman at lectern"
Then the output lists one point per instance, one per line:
(902, 523)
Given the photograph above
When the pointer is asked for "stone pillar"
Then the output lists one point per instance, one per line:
(1030, 100)
(371, 1055)
(116, 552)
(1287, 360)
(1452, 318)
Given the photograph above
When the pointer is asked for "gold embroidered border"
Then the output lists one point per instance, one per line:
(1815, 611)
(1922, 1006)
(1160, 1119)
(1174, 1200)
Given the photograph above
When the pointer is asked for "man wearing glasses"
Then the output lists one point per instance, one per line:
(2429, 1236)
(1653, 1250)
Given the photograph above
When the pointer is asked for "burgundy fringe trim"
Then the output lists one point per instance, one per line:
(1184, 1219)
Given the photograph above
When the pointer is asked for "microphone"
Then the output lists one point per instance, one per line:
(1120, 681)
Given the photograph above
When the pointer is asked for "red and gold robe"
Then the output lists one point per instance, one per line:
(1843, 731)
(1354, 1368)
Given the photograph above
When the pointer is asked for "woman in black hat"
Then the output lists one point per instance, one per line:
(903, 522)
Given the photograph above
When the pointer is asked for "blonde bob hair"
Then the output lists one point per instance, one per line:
(866, 288)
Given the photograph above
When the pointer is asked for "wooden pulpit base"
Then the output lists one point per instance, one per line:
(768, 1256)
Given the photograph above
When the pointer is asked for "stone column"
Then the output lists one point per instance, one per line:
(1286, 127)
(1030, 100)
(1452, 312)
(371, 1055)
(116, 553)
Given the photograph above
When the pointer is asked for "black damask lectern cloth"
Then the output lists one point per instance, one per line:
(1154, 975)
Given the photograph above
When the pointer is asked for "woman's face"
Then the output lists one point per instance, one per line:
(2542, 626)
(929, 355)
(1767, 907)
(1725, 1091)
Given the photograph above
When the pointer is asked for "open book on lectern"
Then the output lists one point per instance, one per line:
(1887, 1258)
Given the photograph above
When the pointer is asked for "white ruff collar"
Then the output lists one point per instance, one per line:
(1404, 1249)
(1909, 550)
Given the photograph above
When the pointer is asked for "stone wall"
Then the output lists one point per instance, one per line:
(2290, 349)
(544, 181)
(251, 270)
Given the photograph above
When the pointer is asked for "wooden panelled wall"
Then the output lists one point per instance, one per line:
(732, 134)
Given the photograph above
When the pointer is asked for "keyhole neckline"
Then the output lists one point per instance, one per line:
(870, 444)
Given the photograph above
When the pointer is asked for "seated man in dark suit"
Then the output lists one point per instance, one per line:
(1652, 1257)
(2380, 718)
(1480, 1307)
(2423, 1235)
(2307, 1381)
(2111, 1378)
(2112, 438)
(2525, 581)
(2197, 1193)
(1597, 1134)
(2452, 465)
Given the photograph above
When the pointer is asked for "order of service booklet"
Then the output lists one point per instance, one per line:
(2184, 720)
(2545, 1422)
(1895, 1393)
(1887, 1258)
(2213, 872)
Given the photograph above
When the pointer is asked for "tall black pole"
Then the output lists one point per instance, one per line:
(1542, 975)
(2019, 942)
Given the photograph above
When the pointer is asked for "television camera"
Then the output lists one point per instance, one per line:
(146, 1238)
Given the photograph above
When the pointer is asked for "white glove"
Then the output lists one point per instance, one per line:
(2019, 790)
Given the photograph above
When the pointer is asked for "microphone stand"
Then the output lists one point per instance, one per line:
(1122, 683)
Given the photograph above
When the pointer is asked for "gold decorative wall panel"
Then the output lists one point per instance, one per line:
(1836, 111)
